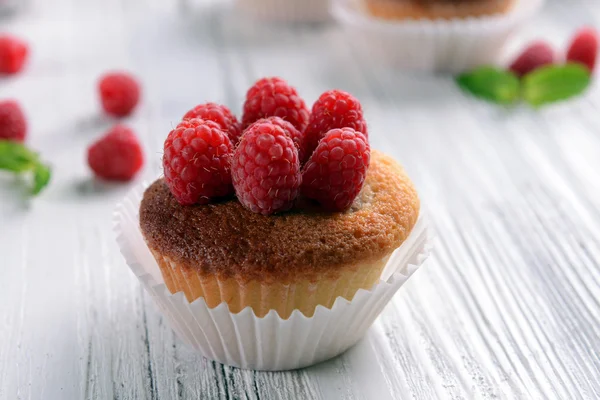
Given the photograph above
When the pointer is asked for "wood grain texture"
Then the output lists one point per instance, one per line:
(509, 306)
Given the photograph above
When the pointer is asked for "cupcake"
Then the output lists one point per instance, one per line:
(298, 260)
(432, 35)
(436, 9)
(295, 234)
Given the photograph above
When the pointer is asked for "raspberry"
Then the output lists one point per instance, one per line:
(293, 133)
(13, 125)
(334, 109)
(219, 114)
(119, 93)
(196, 161)
(534, 56)
(335, 172)
(13, 53)
(273, 97)
(584, 48)
(265, 169)
(117, 156)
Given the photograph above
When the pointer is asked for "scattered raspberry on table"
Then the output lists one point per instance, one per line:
(274, 97)
(533, 57)
(334, 109)
(13, 125)
(336, 171)
(196, 161)
(265, 169)
(219, 114)
(294, 134)
(13, 54)
(117, 156)
(119, 93)
(584, 48)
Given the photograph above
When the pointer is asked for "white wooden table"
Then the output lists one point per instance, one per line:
(509, 307)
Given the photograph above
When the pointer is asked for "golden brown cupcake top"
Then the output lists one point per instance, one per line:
(436, 9)
(428, 2)
(433, 2)
(226, 239)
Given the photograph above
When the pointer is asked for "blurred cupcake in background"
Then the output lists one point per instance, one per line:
(437, 9)
(433, 35)
(295, 11)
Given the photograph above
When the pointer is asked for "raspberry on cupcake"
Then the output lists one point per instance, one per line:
(336, 171)
(334, 109)
(274, 97)
(196, 162)
(219, 114)
(265, 169)
(297, 136)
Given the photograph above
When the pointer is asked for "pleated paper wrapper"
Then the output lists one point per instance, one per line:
(268, 343)
(455, 45)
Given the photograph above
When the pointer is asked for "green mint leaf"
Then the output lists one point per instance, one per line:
(15, 157)
(491, 84)
(41, 178)
(555, 83)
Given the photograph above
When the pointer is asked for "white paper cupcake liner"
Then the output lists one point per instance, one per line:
(432, 45)
(269, 343)
(285, 10)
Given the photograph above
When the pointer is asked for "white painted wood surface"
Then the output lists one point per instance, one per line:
(508, 308)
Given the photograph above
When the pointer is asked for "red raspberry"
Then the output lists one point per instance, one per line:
(584, 48)
(265, 169)
(273, 97)
(117, 156)
(196, 161)
(13, 53)
(119, 93)
(13, 125)
(293, 133)
(534, 56)
(335, 173)
(334, 109)
(219, 114)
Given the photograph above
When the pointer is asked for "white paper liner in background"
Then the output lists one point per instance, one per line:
(432, 45)
(268, 343)
(285, 10)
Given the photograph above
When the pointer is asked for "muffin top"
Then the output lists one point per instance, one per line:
(226, 239)
(429, 2)
(436, 9)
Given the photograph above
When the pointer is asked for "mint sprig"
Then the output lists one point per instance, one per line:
(546, 85)
(555, 83)
(491, 84)
(17, 158)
